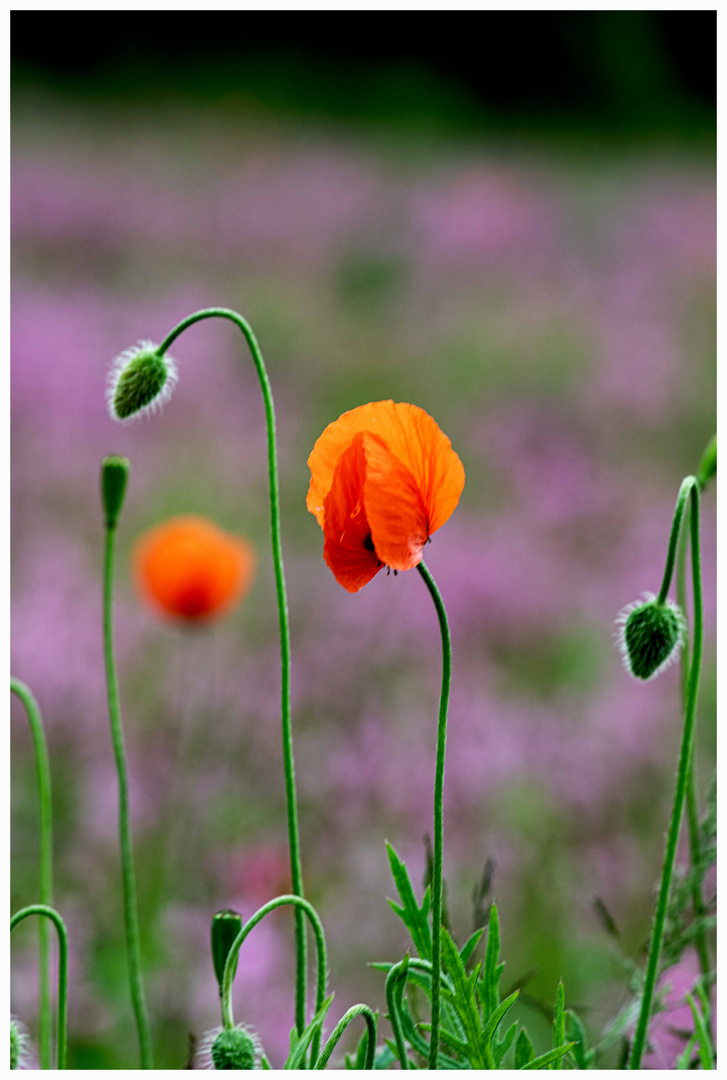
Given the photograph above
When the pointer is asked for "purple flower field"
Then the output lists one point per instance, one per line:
(555, 314)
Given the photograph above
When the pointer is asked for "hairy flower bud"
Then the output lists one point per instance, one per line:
(114, 475)
(226, 925)
(233, 1050)
(141, 380)
(20, 1056)
(650, 636)
(230, 1048)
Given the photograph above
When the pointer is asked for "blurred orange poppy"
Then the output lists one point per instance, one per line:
(384, 477)
(191, 569)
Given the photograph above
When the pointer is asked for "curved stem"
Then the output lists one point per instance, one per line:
(42, 766)
(399, 973)
(700, 941)
(231, 963)
(353, 1012)
(131, 915)
(296, 871)
(396, 975)
(692, 489)
(50, 913)
(687, 485)
(438, 811)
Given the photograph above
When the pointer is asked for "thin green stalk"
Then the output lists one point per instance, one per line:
(438, 812)
(305, 908)
(353, 1012)
(396, 975)
(42, 768)
(49, 913)
(288, 762)
(689, 488)
(700, 941)
(131, 915)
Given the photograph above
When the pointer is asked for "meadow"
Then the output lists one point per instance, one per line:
(553, 310)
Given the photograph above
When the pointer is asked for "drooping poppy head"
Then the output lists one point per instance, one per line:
(384, 477)
(191, 569)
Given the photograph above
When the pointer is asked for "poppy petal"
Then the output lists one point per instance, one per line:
(412, 436)
(348, 548)
(394, 508)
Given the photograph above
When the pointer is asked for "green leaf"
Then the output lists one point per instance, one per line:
(559, 1023)
(414, 917)
(576, 1031)
(470, 945)
(299, 1046)
(391, 1047)
(463, 998)
(493, 1023)
(706, 1054)
(503, 1045)
(383, 1057)
(492, 969)
(524, 1051)
(552, 1055)
(684, 1061)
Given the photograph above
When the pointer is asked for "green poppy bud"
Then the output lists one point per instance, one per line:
(141, 380)
(20, 1055)
(226, 925)
(233, 1049)
(114, 475)
(650, 636)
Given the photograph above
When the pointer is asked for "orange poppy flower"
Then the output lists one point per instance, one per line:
(384, 477)
(189, 568)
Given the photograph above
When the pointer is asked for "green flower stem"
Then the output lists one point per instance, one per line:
(49, 913)
(353, 1012)
(690, 487)
(231, 963)
(131, 915)
(438, 814)
(397, 974)
(42, 766)
(288, 763)
(700, 942)
(676, 527)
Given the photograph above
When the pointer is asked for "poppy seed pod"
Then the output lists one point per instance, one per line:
(141, 380)
(650, 636)
(114, 476)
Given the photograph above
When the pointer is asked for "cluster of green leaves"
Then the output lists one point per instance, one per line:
(471, 1035)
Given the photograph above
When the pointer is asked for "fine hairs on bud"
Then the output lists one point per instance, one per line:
(140, 381)
(230, 1048)
(20, 1055)
(650, 636)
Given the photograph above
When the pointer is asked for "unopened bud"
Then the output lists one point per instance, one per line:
(650, 636)
(141, 380)
(226, 925)
(20, 1055)
(114, 475)
(233, 1049)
